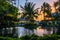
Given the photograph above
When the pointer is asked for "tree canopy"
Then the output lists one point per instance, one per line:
(8, 14)
(29, 13)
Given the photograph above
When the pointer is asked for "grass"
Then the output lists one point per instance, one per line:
(33, 37)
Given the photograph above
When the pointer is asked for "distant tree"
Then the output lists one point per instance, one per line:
(47, 10)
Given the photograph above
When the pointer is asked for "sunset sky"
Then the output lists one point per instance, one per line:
(38, 4)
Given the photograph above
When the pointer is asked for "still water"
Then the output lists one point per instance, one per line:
(38, 31)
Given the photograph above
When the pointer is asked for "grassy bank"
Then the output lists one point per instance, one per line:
(33, 37)
(8, 38)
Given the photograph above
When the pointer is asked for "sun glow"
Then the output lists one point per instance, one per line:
(41, 16)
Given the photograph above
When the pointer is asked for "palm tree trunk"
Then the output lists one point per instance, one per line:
(55, 9)
(44, 16)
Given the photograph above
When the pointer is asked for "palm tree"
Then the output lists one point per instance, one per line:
(29, 13)
(55, 5)
(46, 9)
(43, 9)
(56, 18)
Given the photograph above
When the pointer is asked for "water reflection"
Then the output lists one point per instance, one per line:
(39, 31)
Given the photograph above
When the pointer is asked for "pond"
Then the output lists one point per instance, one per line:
(39, 31)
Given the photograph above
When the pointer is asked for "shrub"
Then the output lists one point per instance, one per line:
(25, 37)
(45, 37)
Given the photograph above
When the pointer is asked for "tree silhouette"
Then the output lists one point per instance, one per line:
(29, 13)
(46, 9)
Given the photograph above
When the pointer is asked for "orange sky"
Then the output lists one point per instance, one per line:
(41, 17)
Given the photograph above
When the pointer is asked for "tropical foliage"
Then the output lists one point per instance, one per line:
(8, 15)
(28, 11)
